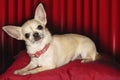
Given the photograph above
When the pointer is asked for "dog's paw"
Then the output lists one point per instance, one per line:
(18, 72)
(25, 73)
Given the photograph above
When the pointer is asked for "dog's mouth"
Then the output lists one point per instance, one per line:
(37, 38)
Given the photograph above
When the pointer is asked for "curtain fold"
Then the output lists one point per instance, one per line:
(98, 19)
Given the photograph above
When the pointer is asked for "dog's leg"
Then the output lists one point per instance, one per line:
(28, 67)
(38, 69)
(90, 57)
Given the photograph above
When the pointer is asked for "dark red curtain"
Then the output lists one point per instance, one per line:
(98, 19)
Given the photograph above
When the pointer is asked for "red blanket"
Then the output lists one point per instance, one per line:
(104, 69)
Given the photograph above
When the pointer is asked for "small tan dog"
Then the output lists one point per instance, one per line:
(49, 52)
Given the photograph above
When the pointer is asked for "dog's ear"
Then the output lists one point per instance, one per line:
(13, 31)
(40, 14)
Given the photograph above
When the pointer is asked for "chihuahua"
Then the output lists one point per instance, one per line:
(46, 51)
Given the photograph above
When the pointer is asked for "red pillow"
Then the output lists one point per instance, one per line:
(104, 69)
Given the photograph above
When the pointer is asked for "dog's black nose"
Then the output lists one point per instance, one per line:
(36, 34)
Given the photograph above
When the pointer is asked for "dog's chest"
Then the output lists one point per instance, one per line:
(34, 48)
(43, 59)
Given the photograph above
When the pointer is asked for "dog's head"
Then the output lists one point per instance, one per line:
(33, 30)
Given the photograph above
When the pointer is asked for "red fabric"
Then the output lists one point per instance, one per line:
(103, 69)
(98, 19)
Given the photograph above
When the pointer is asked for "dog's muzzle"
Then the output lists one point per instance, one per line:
(36, 36)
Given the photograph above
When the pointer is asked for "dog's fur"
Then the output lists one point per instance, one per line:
(62, 49)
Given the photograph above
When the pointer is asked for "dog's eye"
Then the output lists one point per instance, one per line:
(39, 27)
(27, 35)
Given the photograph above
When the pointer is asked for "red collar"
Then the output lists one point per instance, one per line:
(38, 53)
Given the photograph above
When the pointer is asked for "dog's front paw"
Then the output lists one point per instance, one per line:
(18, 72)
